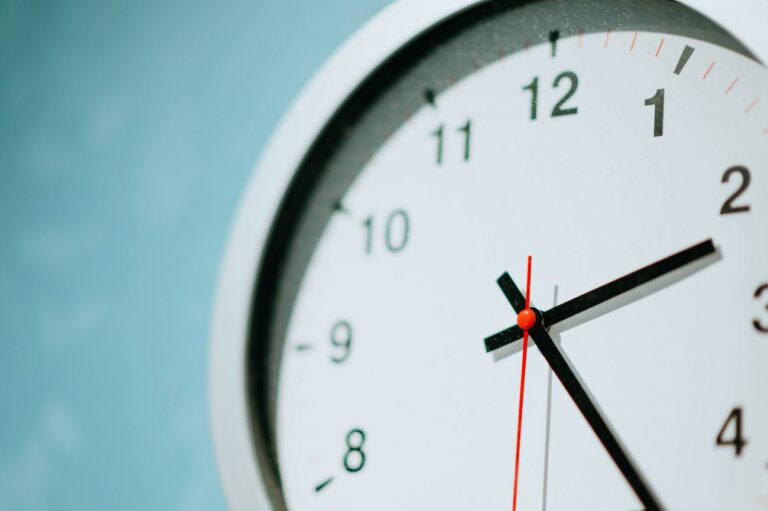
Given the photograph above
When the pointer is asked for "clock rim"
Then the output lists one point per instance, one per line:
(381, 37)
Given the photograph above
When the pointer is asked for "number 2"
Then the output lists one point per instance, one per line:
(558, 110)
(746, 178)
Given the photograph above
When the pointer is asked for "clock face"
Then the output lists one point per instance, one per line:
(385, 367)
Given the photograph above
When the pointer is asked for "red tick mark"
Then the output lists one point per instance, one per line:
(752, 105)
(634, 40)
(607, 38)
(581, 37)
(731, 86)
(661, 44)
(706, 73)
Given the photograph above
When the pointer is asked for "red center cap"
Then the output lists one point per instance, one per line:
(526, 319)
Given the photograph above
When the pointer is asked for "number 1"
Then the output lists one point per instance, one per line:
(534, 88)
(438, 133)
(657, 100)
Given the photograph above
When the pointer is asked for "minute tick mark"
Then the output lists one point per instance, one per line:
(706, 73)
(554, 35)
(429, 97)
(684, 56)
(338, 207)
(322, 485)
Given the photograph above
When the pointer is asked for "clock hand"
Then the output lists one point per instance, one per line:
(547, 427)
(525, 319)
(573, 312)
(581, 397)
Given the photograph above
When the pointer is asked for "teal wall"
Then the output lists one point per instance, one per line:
(127, 132)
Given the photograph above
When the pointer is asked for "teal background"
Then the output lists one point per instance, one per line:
(127, 132)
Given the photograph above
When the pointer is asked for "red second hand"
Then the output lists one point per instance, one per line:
(525, 320)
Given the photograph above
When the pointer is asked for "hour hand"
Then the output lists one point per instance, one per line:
(619, 292)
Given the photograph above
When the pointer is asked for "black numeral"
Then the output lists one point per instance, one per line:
(439, 135)
(467, 130)
(354, 458)
(558, 110)
(657, 100)
(733, 428)
(396, 232)
(534, 88)
(341, 339)
(759, 325)
(728, 207)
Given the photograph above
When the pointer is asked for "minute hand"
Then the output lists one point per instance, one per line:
(602, 294)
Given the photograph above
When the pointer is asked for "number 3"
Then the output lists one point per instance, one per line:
(759, 326)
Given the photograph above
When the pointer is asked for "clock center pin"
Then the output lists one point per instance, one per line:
(526, 319)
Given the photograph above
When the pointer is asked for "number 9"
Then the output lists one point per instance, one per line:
(341, 337)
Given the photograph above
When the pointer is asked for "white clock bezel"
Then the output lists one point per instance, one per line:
(351, 64)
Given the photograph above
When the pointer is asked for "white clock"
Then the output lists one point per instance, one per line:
(366, 347)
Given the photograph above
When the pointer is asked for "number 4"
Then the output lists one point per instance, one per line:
(732, 428)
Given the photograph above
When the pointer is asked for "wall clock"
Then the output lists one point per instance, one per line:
(507, 254)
